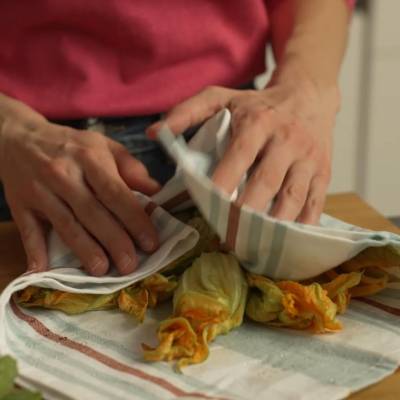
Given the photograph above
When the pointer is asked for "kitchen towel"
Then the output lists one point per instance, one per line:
(98, 355)
(263, 245)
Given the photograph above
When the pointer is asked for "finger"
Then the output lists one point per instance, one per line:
(193, 111)
(119, 199)
(267, 178)
(90, 253)
(293, 193)
(133, 172)
(99, 222)
(249, 135)
(33, 239)
(315, 200)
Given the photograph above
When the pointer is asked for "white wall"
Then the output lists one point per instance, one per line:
(382, 172)
(346, 137)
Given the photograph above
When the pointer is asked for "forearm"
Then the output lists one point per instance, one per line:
(309, 39)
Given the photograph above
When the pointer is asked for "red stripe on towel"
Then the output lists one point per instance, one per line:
(40, 328)
(176, 200)
(383, 307)
(233, 224)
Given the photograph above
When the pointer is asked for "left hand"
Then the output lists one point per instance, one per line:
(283, 132)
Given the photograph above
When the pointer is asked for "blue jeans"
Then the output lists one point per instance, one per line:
(133, 137)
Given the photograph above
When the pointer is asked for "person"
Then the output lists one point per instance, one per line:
(68, 69)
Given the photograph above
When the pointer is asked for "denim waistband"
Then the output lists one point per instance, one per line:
(117, 123)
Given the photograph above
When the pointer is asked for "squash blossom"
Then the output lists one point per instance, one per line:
(133, 300)
(298, 306)
(377, 263)
(209, 300)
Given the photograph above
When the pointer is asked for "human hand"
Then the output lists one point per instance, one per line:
(80, 183)
(283, 132)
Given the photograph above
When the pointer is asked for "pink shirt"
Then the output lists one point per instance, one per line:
(81, 58)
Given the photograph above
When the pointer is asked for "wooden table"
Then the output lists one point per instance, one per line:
(348, 207)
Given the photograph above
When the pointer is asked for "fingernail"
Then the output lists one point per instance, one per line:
(126, 264)
(98, 266)
(151, 131)
(147, 243)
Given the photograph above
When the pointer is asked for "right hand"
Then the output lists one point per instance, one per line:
(78, 182)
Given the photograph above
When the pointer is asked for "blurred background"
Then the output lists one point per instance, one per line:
(367, 135)
(367, 139)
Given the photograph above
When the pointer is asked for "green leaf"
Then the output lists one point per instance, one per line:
(8, 372)
(22, 394)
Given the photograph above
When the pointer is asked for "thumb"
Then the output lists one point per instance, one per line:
(193, 111)
(133, 172)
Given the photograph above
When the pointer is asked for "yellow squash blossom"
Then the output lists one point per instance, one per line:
(295, 305)
(133, 300)
(209, 301)
(375, 263)
(70, 303)
(339, 289)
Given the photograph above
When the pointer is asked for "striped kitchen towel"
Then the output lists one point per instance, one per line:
(98, 355)
(264, 245)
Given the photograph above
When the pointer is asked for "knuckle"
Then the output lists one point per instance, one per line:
(85, 154)
(315, 202)
(257, 115)
(295, 136)
(249, 112)
(57, 169)
(296, 192)
(110, 191)
(282, 137)
(260, 115)
(52, 169)
(239, 144)
(266, 178)
(294, 132)
(234, 105)
(238, 115)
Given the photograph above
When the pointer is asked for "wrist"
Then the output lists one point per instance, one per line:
(12, 109)
(295, 72)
